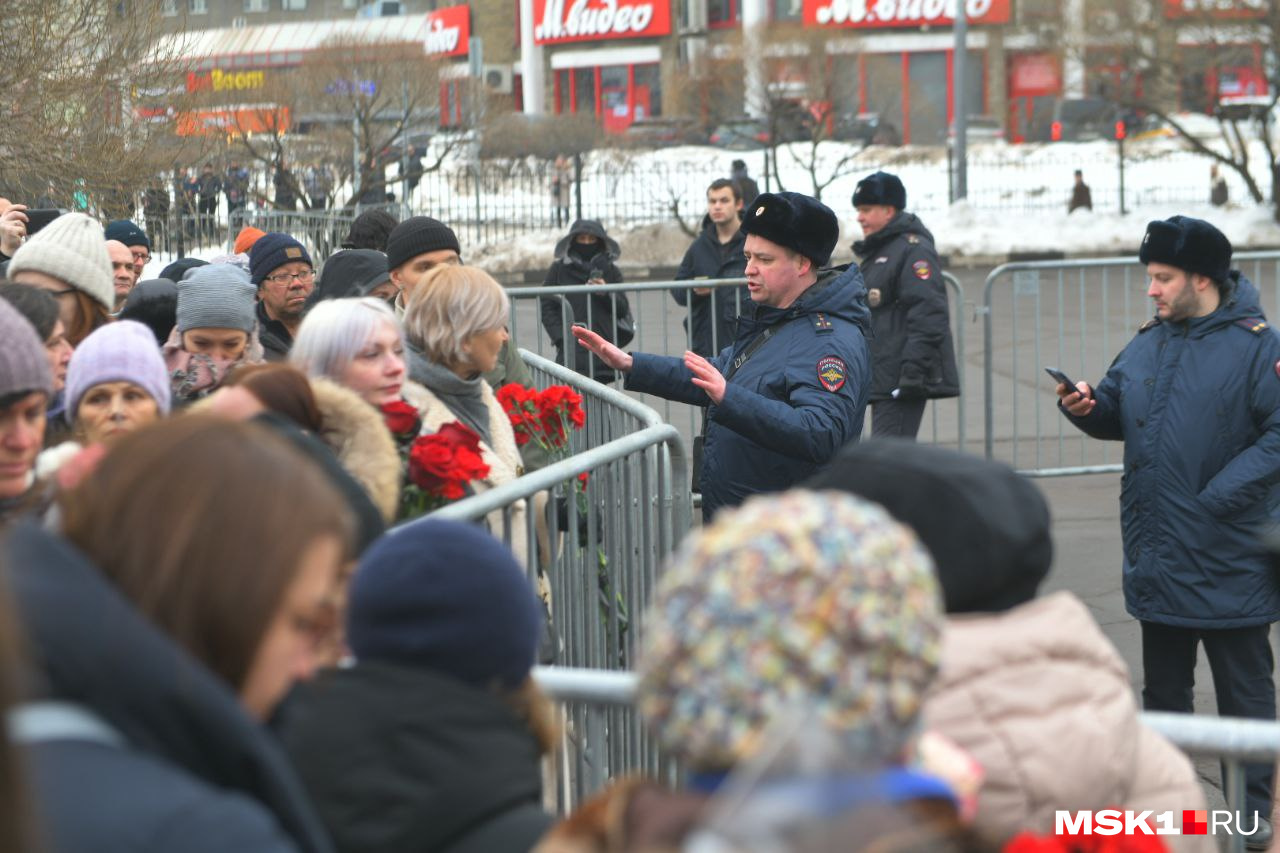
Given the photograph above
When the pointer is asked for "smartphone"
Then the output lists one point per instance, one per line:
(40, 217)
(1061, 377)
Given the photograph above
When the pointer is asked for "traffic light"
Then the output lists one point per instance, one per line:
(1120, 129)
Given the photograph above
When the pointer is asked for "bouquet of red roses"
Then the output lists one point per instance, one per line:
(439, 467)
(544, 417)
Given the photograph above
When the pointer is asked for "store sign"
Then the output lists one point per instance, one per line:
(225, 81)
(559, 21)
(1033, 75)
(449, 31)
(901, 13)
(1215, 8)
(234, 121)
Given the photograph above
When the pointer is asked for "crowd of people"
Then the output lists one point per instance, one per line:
(225, 626)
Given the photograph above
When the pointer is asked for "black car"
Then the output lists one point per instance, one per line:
(663, 131)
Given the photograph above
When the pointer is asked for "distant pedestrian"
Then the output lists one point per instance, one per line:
(561, 184)
(587, 255)
(210, 189)
(746, 184)
(318, 183)
(1080, 195)
(716, 253)
(236, 187)
(285, 187)
(1217, 187)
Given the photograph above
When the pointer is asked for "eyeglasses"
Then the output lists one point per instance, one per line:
(285, 277)
(143, 257)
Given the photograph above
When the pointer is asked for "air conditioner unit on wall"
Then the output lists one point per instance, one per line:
(497, 78)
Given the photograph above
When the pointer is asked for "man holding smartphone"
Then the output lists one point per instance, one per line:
(1195, 397)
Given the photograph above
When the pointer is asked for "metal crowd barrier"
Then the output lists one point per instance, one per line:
(1075, 315)
(601, 550)
(1233, 740)
(662, 327)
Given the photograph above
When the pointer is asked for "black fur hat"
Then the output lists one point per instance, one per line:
(799, 222)
(880, 188)
(1188, 244)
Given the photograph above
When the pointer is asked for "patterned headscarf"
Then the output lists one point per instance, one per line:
(805, 602)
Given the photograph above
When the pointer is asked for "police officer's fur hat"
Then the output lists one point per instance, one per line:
(799, 222)
(1188, 244)
(880, 188)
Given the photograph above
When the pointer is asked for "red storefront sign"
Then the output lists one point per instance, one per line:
(561, 21)
(1215, 8)
(449, 31)
(234, 121)
(901, 13)
(1032, 75)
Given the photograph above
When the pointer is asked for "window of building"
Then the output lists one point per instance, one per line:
(199, 7)
(169, 8)
(723, 14)
(255, 5)
(350, 4)
(648, 91)
(294, 5)
(785, 10)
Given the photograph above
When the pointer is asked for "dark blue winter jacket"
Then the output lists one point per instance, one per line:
(1197, 405)
(792, 405)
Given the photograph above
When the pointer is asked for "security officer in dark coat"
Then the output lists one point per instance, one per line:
(716, 253)
(912, 357)
(1195, 397)
(793, 388)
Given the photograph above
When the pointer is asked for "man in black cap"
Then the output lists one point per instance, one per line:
(1195, 397)
(912, 357)
(414, 248)
(793, 389)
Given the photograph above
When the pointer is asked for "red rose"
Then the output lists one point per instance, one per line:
(583, 478)
(401, 418)
(443, 463)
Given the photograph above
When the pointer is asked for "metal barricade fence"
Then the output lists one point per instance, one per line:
(1077, 316)
(662, 327)
(601, 549)
(1231, 739)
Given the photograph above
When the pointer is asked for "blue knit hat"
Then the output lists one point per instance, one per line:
(128, 233)
(272, 251)
(449, 597)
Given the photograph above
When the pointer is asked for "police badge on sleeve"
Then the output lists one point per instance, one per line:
(832, 372)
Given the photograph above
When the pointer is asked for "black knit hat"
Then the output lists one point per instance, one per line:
(418, 235)
(1188, 244)
(351, 272)
(799, 222)
(880, 188)
(272, 251)
(127, 232)
(176, 270)
(986, 526)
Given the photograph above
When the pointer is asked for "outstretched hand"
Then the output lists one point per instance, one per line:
(705, 376)
(607, 352)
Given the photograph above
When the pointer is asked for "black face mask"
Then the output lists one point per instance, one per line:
(584, 251)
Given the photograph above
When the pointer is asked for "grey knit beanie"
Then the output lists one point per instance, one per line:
(71, 248)
(216, 296)
(24, 367)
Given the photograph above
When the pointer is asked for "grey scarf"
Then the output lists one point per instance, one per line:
(464, 397)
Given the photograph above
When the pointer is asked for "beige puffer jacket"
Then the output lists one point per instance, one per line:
(1040, 697)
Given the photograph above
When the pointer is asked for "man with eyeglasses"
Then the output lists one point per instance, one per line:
(282, 269)
(135, 238)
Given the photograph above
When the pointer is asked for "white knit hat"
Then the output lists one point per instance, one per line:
(71, 248)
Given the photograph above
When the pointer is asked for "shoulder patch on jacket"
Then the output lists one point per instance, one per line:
(913, 238)
(1257, 325)
(832, 372)
(821, 323)
(921, 270)
(1150, 324)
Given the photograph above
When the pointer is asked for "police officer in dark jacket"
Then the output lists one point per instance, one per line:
(793, 388)
(1195, 397)
(586, 255)
(716, 253)
(913, 360)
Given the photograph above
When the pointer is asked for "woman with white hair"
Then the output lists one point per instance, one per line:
(355, 342)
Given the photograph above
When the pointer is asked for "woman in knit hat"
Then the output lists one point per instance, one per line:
(116, 383)
(216, 330)
(68, 258)
(26, 384)
(41, 310)
(432, 741)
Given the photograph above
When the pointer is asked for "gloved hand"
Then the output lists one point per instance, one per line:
(911, 387)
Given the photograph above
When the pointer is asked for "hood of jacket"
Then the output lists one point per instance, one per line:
(93, 648)
(357, 434)
(401, 758)
(1042, 700)
(838, 292)
(595, 229)
(903, 223)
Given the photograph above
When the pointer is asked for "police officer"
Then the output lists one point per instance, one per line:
(1195, 397)
(793, 389)
(912, 358)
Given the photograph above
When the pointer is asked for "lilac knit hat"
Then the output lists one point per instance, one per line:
(24, 366)
(123, 351)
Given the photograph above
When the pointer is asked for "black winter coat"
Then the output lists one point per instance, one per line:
(183, 766)
(601, 312)
(275, 338)
(911, 347)
(709, 258)
(402, 760)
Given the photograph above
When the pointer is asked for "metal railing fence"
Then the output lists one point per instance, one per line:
(663, 327)
(1233, 740)
(1075, 315)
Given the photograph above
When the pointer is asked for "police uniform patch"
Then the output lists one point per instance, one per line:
(832, 372)
(1278, 368)
(921, 269)
(759, 210)
(913, 239)
(883, 259)
(873, 297)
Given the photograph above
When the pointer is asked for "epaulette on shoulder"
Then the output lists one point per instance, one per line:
(1257, 325)
(1150, 324)
(821, 323)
